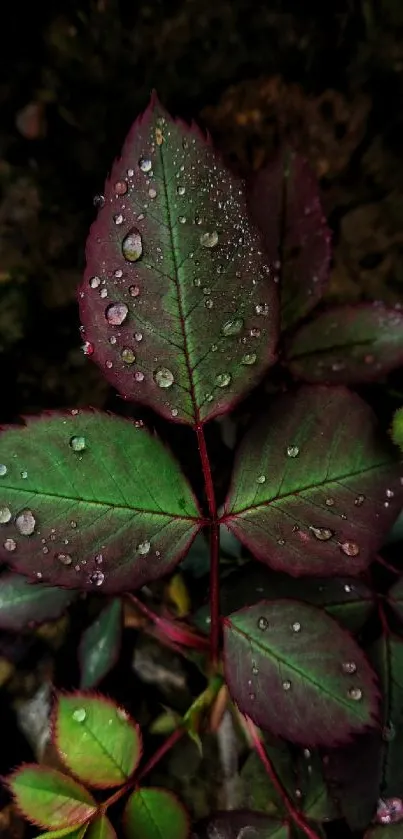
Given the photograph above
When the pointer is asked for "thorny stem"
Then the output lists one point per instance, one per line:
(296, 816)
(214, 546)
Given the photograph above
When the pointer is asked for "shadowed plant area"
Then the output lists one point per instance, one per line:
(263, 590)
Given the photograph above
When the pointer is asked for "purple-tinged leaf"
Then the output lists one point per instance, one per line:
(347, 344)
(395, 598)
(50, 799)
(320, 693)
(313, 490)
(100, 644)
(96, 739)
(353, 776)
(241, 823)
(24, 604)
(315, 800)
(93, 502)
(284, 203)
(178, 302)
(100, 828)
(390, 831)
(154, 813)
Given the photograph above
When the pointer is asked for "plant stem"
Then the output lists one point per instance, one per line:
(296, 816)
(214, 547)
(175, 631)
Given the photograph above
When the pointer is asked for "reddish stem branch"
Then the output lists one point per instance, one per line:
(296, 816)
(214, 547)
(174, 631)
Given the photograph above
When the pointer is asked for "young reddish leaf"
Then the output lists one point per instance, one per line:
(100, 644)
(320, 694)
(348, 344)
(155, 814)
(96, 739)
(50, 799)
(239, 823)
(284, 202)
(23, 603)
(395, 598)
(313, 490)
(178, 302)
(93, 502)
(100, 828)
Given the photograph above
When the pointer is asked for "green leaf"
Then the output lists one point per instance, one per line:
(387, 658)
(313, 490)
(24, 604)
(95, 502)
(100, 828)
(50, 799)
(395, 598)
(320, 694)
(390, 831)
(259, 791)
(241, 823)
(100, 644)
(315, 799)
(155, 814)
(397, 428)
(347, 344)
(353, 775)
(191, 300)
(78, 833)
(96, 739)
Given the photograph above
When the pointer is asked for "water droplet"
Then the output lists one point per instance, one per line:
(98, 201)
(120, 187)
(349, 667)
(389, 732)
(134, 290)
(329, 502)
(88, 348)
(255, 669)
(163, 377)
(97, 578)
(132, 246)
(10, 545)
(118, 218)
(25, 522)
(103, 293)
(252, 696)
(128, 355)
(139, 376)
(65, 559)
(350, 548)
(389, 810)
(296, 626)
(355, 694)
(208, 303)
(307, 753)
(323, 534)
(232, 327)
(145, 164)
(95, 282)
(79, 714)
(143, 548)
(118, 273)
(209, 240)
(359, 500)
(3, 470)
(292, 451)
(24, 474)
(348, 588)
(262, 623)
(262, 309)
(261, 479)
(223, 379)
(182, 219)
(116, 313)
(286, 685)
(5, 515)
(248, 358)
(152, 192)
(108, 364)
(255, 333)
(138, 336)
(99, 559)
(389, 493)
(77, 444)
(180, 190)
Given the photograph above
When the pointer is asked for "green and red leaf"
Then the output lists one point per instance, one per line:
(93, 502)
(100, 644)
(284, 203)
(239, 823)
(178, 302)
(24, 604)
(96, 739)
(50, 799)
(314, 491)
(347, 344)
(154, 813)
(100, 828)
(320, 693)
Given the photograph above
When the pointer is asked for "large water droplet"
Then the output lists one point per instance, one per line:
(292, 451)
(145, 164)
(355, 694)
(116, 313)
(128, 355)
(97, 578)
(359, 500)
(77, 443)
(118, 218)
(262, 309)
(323, 534)
(3, 470)
(349, 667)
(180, 190)
(261, 479)
(223, 379)
(95, 282)
(163, 377)
(132, 246)
(5, 515)
(65, 559)
(248, 358)
(286, 685)
(120, 187)
(143, 548)
(209, 240)
(350, 548)
(79, 714)
(296, 626)
(25, 522)
(232, 327)
(262, 623)
(10, 545)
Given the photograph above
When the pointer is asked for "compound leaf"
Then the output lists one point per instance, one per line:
(348, 344)
(100, 644)
(241, 823)
(178, 302)
(155, 814)
(24, 604)
(320, 693)
(92, 501)
(284, 203)
(313, 490)
(50, 799)
(96, 739)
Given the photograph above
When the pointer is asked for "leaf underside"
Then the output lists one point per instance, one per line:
(93, 503)
(155, 814)
(192, 321)
(284, 203)
(313, 489)
(348, 344)
(23, 604)
(100, 644)
(96, 739)
(320, 694)
(239, 823)
(50, 799)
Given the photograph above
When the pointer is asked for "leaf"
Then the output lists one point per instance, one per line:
(284, 203)
(315, 799)
(391, 831)
(320, 694)
(78, 833)
(347, 344)
(178, 302)
(23, 604)
(395, 598)
(241, 823)
(93, 501)
(100, 644)
(397, 428)
(352, 773)
(101, 828)
(313, 490)
(387, 658)
(259, 791)
(50, 799)
(96, 739)
(155, 814)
